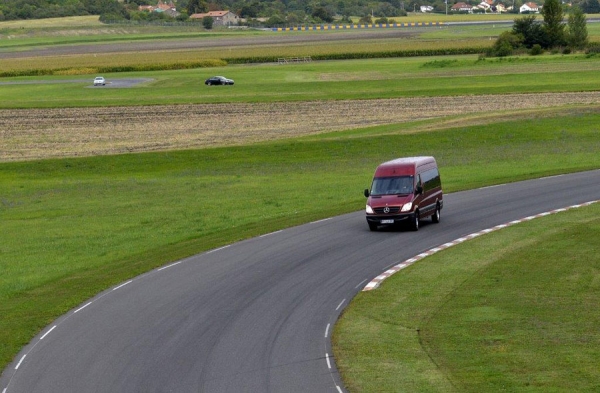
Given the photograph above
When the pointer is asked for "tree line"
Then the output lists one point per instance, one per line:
(275, 12)
(552, 33)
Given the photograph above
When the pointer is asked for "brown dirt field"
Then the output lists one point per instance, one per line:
(76, 132)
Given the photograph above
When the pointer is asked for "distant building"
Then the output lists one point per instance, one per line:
(529, 7)
(220, 18)
(426, 8)
(168, 9)
(462, 7)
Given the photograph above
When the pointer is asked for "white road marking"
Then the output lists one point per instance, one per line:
(323, 220)
(48, 332)
(168, 266)
(218, 249)
(340, 305)
(20, 361)
(122, 285)
(327, 330)
(328, 362)
(360, 283)
(269, 234)
(495, 185)
(79, 309)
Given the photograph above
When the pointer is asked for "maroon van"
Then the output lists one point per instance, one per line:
(405, 190)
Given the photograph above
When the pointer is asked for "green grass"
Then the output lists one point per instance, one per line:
(334, 80)
(512, 311)
(73, 227)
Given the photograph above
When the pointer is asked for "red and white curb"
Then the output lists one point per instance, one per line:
(396, 268)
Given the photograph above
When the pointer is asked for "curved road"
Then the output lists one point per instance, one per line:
(255, 316)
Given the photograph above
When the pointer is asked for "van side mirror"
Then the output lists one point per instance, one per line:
(367, 192)
(419, 190)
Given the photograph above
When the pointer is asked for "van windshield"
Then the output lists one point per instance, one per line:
(392, 185)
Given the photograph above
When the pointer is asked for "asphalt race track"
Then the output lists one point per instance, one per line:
(255, 316)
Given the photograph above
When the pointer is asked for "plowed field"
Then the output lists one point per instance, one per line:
(74, 132)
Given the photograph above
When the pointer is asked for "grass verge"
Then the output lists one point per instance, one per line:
(515, 310)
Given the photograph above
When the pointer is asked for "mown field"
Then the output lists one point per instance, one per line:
(94, 191)
(513, 312)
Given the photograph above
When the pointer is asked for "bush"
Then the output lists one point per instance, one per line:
(505, 44)
(208, 22)
(536, 50)
(593, 48)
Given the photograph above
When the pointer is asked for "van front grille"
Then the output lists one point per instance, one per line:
(392, 210)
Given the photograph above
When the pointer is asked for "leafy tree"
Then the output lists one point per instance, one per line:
(250, 10)
(275, 21)
(530, 31)
(591, 7)
(295, 18)
(536, 50)
(100, 7)
(196, 7)
(208, 22)
(322, 14)
(182, 17)
(554, 29)
(506, 43)
(577, 36)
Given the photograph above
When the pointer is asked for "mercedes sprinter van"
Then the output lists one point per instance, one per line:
(405, 190)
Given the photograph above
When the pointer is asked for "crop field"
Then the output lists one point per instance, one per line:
(84, 46)
(98, 185)
(68, 132)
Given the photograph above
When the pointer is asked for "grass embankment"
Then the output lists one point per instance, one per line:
(514, 311)
(73, 227)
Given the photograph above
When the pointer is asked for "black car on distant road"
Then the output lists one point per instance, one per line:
(218, 80)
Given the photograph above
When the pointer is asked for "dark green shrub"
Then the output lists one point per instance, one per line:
(536, 50)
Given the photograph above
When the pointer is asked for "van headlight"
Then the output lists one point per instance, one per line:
(407, 207)
(369, 210)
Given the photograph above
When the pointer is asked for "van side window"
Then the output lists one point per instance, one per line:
(419, 184)
(431, 179)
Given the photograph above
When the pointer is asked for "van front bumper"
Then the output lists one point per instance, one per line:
(389, 219)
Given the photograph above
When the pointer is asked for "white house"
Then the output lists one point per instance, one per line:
(462, 7)
(529, 7)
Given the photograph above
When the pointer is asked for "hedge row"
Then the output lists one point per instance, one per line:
(366, 55)
(239, 60)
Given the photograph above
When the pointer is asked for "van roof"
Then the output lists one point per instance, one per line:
(403, 166)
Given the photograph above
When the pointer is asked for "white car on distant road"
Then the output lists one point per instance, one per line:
(99, 81)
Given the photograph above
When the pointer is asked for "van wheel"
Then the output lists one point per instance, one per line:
(415, 221)
(372, 227)
(436, 216)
